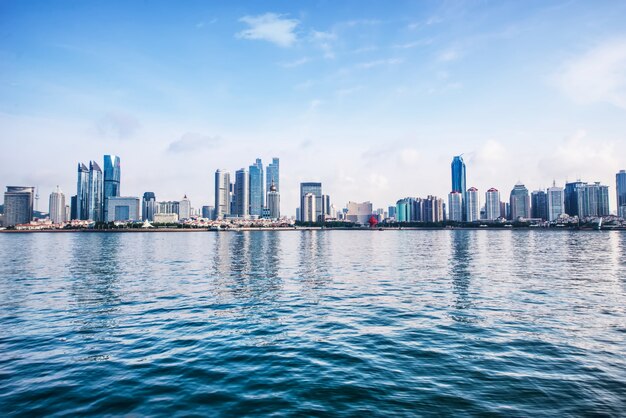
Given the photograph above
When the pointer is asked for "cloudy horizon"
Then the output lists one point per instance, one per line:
(372, 102)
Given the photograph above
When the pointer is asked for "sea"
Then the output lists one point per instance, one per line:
(313, 323)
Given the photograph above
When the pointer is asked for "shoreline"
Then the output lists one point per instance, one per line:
(298, 229)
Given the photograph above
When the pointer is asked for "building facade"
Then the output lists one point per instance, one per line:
(18, 205)
(520, 202)
(316, 190)
(455, 206)
(94, 206)
(57, 207)
(82, 193)
(472, 205)
(309, 210)
(273, 202)
(359, 213)
(184, 208)
(222, 194)
(123, 209)
(112, 175)
(539, 205)
(555, 197)
(492, 204)
(149, 206)
(620, 188)
(272, 174)
(242, 193)
(257, 197)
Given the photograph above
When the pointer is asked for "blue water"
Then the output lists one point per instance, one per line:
(346, 323)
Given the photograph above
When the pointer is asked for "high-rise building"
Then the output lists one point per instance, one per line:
(316, 190)
(82, 192)
(242, 193)
(620, 188)
(57, 206)
(325, 205)
(257, 199)
(458, 174)
(556, 202)
(455, 206)
(403, 210)
(391, 211)
(359, 213)
(18, 205)
(472, 205)
(94, 199)
(123, 209)
(208, 212)
(184, 208)
(169, 207)
(492, 204)
(432, 209)
(539, 205)
(112, 176)
(272, 173)
(148, 206)
(273, 202)
(222, 193)
(520, 202)
(574, 198)
(309, 210)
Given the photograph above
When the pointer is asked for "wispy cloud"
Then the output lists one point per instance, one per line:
(378, 63)
(413, 44)
(193, 142)
(117, 125)
(324, 41)
(270, 27)
(295, 63)
(599, 75)
(448, 55)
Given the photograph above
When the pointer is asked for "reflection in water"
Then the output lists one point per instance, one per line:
(313, 256)
(460, 260)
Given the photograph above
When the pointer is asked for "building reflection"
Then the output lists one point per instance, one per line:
(314, 256)
(460, 261)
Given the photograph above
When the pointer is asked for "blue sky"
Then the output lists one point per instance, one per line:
(371, 99)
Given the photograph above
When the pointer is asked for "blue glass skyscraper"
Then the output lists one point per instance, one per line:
(458, 174)
(272, 174)
(620, 187)
(257, 201)
(111, 180)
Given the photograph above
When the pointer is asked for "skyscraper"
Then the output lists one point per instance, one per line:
(257, 200)
(458, 174)
(455, 206)
(574, 198)
(539, 205)
(272, 173)
(309, 210)
(472, 205)
(82, 192)
(94, 205)
(18, 205)
(620, 188)
(184, 208)
(325, 209)
(148, 206)
(273, 202)
(242, 193)
(57, 206)
(222, 193)
(359, 213)
(316, 190)
(556, 202)
(492, 204)
(111, 180)
(520, 202)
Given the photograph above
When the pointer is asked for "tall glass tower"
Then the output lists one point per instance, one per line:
(272, 174)
(242, 193)
(620, 186)
(458, 174)
(257, 201)
(222, 193)
(111, 180)
(94, 199)
(316, 190)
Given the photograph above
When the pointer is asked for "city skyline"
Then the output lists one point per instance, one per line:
(371, 102)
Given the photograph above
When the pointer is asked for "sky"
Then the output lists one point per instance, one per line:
(371, 98)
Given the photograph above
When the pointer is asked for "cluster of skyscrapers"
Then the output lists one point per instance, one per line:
(578, 198)
(253, 194)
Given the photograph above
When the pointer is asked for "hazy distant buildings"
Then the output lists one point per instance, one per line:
(123, 209)
(520, 202)
(57, 207)
(620, 188)
(18, 205)
(316, 190)
(273, 202)
(359, 213)
(539, 205)
(455, 206)
(257, 197)
(184, 208)
(492, 204)
(555, 200)
(112, 176)
(222, 193)
(472, 205)
(242, 193)
(148, 207)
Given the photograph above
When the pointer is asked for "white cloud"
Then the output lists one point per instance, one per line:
(295, 63)
(599, 75)
(270, 27)
(324, 41)
(193, 142)
(413, 44)
(448, 55)
(377, 63)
